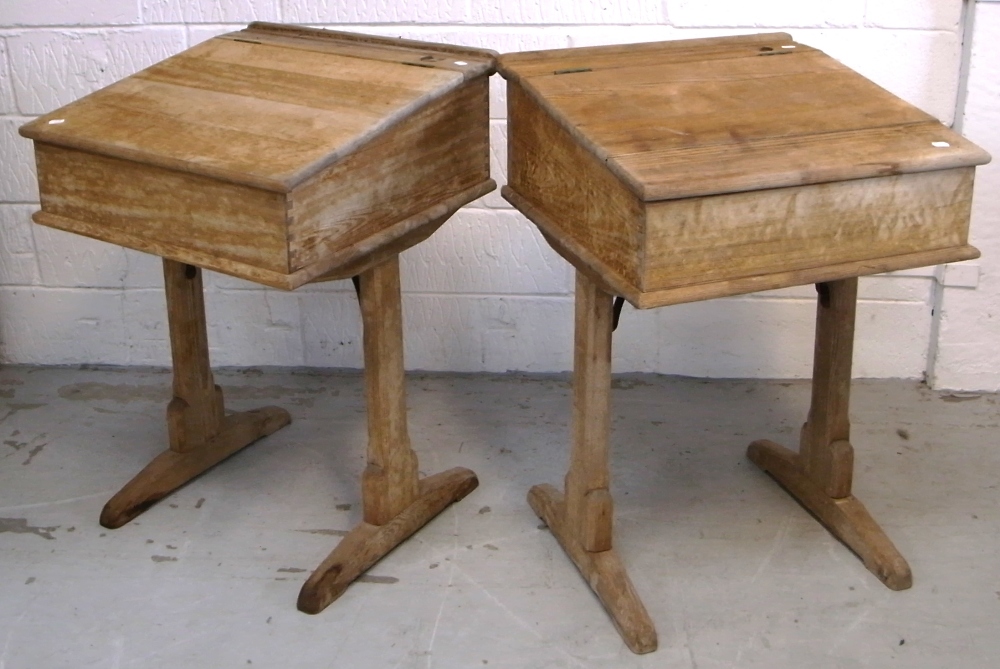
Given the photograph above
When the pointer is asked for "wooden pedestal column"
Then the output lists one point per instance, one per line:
(397, 502)
(819, 475)
(200, 433)
(581, 519)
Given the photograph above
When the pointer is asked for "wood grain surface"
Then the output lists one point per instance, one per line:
(276, 154)
(120, 201)
(675, 171)
(700, 117)
(721, 237)
(439, 151)
(584, 201)
(262, 107)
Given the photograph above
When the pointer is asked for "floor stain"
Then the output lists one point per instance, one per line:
(366, 578)
(328, 533)
(485, 509)
(903, 434)
(14, 408)
(343, 507)
(122, 393)
(268, 392)
(33, 452)
(628, 384)
(490, 547)
(7, 393)
(162, 558)
(31, 579)
(291, 570)
(199, 503)
(20, 526)
(16, 445)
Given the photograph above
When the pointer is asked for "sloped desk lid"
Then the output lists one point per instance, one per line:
(267, 106)
(709, 116)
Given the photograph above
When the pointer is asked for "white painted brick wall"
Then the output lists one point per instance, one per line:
(485, 293)
(969, 339)
(41, 325)
(18, 266)
(18, 182)
(486, 251)
(490, 12)
(766, 13)
(52, 68)
(920, 66)
(68, 12)
(209, 11)
(7, 104)
(71, 261)
(914, 14)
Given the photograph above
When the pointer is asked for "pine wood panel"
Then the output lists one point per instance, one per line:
(471, 61)
(440, 151)
(669, 105)
(120, 201)
(579, 197)
(697, 240)
(276, 154)
(697, 117)
(303, 98)
(528, 64)
(752, 162)
(211, 132)
(773, 163)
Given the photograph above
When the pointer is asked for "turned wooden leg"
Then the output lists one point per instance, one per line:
(396, 501)
(819, 476)
(581, 519)
(200, 433)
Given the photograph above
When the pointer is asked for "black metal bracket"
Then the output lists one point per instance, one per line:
(617, 312)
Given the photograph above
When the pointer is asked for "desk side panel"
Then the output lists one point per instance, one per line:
(726, 237)
(150, 208)
(436, 154)
(585, 204)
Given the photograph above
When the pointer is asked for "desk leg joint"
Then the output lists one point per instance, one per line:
(581, 518)
(367, 543)
(200, 434)
(820, 475)
(170, 470)
(846, 517)
(397, 502)
(603, 571)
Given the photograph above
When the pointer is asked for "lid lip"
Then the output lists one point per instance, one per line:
(963, 154)
(660, 193)
(294, 30)
(507, 62)
(38, 129)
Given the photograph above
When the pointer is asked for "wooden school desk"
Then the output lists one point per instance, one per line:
(679, 171)
(283, 156)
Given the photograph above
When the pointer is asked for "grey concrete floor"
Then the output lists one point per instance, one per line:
(734, 573)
